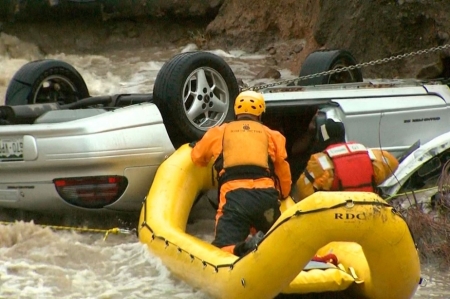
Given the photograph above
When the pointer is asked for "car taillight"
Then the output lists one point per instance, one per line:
(91, 192)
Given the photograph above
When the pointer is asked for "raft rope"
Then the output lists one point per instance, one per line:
(348, 203)
(115, 230)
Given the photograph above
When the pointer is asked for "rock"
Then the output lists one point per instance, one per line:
(215, 3)
(53, 2)
(442, 35)
(108, 9)
(187, 8)
(199, 39)
(298, 48)
(430, 71)
(132, 33)
(272, 51)
(271, 61)
(241, 83)
(13, 47)
(269, 73)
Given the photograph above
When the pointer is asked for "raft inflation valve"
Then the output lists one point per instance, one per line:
(349, 203)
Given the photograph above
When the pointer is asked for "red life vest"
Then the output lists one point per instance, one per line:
(353, 170)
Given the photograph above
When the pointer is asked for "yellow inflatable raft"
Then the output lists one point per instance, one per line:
(377, 255)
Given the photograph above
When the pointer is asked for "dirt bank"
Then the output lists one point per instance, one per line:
(289, 29)
(369, 29)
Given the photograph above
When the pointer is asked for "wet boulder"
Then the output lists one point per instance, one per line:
(30, 10)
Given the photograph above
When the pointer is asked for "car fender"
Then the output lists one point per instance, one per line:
(411, 163)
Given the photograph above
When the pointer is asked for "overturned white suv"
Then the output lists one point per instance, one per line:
(63, 150)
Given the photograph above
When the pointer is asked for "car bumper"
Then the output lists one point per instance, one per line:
(131, 143)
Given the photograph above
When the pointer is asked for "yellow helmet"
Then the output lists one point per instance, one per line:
(250, 102)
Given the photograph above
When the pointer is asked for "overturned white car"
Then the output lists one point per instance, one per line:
(63, 150)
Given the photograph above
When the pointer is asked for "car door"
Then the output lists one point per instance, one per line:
(393, 122)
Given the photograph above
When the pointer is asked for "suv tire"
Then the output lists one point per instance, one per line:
(325, 60)
(46, 81)
(194, 92)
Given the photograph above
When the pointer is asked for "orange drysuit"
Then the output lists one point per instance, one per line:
(253, 175)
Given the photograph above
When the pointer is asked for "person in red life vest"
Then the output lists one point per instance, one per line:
(253, 174)
(344, 166)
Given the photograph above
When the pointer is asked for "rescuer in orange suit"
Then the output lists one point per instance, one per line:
(344, 166)
(253, 174)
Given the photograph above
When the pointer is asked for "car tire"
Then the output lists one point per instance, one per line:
(194, 91)
(46, 81)
(322, 61)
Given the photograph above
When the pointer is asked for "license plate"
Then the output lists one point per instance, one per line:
(11, 149)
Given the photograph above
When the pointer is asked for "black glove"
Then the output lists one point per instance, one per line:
(192, 144)
(242, 248)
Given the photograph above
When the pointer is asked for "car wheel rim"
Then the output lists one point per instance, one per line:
(205, 98)
(342, 77)
(55, 89)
